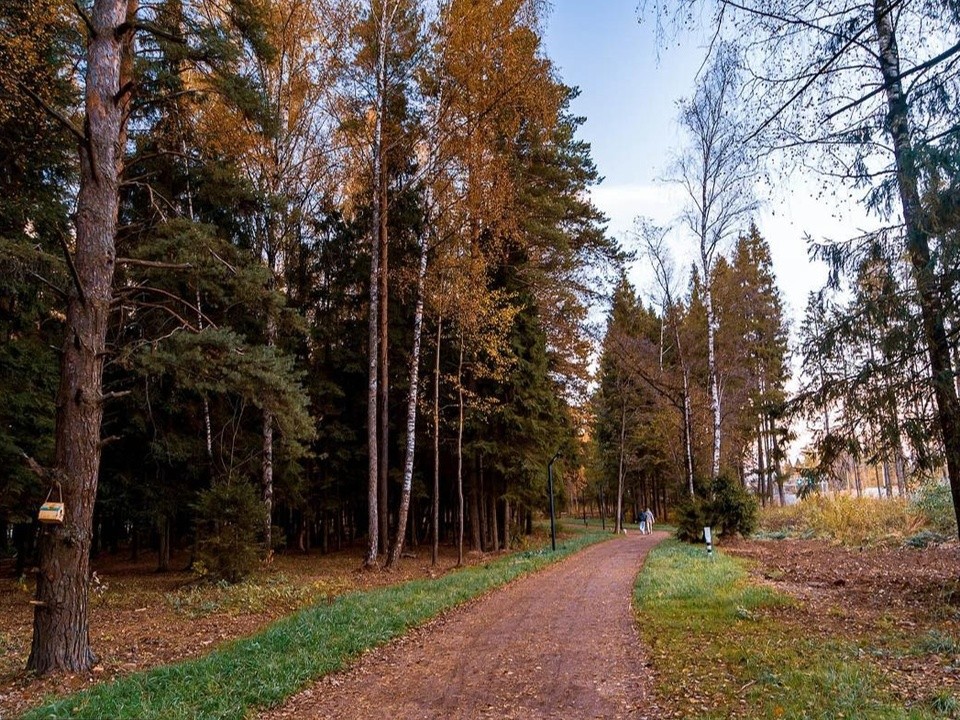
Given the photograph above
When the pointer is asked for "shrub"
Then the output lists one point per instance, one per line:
(730, 510)
(230, 518)
(850, 521)
(934, 501)
(734, 509)
(691, 519)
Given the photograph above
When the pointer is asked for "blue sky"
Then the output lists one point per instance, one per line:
(629, 98)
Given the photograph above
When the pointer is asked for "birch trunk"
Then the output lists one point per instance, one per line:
(414, 373)
(714, 381)
(266, 461)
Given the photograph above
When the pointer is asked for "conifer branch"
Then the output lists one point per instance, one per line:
(62, 119)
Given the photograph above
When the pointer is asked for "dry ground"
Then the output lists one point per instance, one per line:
(900, 606)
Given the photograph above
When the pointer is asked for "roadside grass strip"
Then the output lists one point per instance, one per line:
(264, 670)
(723, 646)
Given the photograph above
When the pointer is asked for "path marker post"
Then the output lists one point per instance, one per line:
(708, 536)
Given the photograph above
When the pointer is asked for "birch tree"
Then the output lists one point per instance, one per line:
(716, 172)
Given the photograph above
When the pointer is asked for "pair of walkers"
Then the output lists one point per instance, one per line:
(646, 520)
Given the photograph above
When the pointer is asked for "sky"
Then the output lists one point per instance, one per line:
(628, 93)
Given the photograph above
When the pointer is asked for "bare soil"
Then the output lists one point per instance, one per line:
(900, 606)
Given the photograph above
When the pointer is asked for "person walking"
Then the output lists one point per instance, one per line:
(648, 521)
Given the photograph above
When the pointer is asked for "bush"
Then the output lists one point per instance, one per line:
(934, 501)
(230, 519)
(734, 509)
(691, 519)
(731, 510)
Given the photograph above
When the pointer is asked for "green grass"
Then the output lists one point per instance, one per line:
(724, 647)
(263, 670)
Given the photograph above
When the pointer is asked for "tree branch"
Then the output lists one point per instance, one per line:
(86, 18)
(150, 28)
(946, 54)
(154, 264)
(40, 278)
(73, 268)
(35, 467)
(64, 121)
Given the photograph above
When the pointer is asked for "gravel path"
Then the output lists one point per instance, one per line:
(559, 644)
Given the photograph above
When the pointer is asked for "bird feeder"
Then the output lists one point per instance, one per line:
(51, 512)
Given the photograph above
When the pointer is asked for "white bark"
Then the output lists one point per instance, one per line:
(414, 374)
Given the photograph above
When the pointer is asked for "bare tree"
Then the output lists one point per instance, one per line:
(716, 171)
(655, 247)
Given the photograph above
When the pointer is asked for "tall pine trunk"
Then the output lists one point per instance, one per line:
(460, 456)
(918, 248)
(376, 302)
(61, 638)
(618, 526)
(383, 385)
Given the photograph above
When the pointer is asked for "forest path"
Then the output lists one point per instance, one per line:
(557, 644)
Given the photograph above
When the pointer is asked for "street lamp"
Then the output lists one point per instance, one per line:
(553, 522)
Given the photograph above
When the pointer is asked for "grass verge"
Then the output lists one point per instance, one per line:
(264, 670)
(723, 646)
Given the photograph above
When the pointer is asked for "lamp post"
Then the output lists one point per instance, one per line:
(553, 525)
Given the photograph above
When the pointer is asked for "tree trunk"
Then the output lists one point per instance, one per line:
(714, 381)
(460, 456)
(436, 444)
(494, 525)
(384, 364)
(618, 526)
(506, 524)
(61, 639)
(163, 553)
(266, 461)
(761, 465)
(373, 454)
(476, 537)
(373, 341)
(918, 249)
(414, 374)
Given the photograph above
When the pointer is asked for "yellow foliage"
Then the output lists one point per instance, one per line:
(846, 520)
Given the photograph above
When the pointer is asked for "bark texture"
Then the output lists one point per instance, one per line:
(60, 626)
(918, 246)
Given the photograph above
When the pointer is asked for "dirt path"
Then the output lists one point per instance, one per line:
(559, 644)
